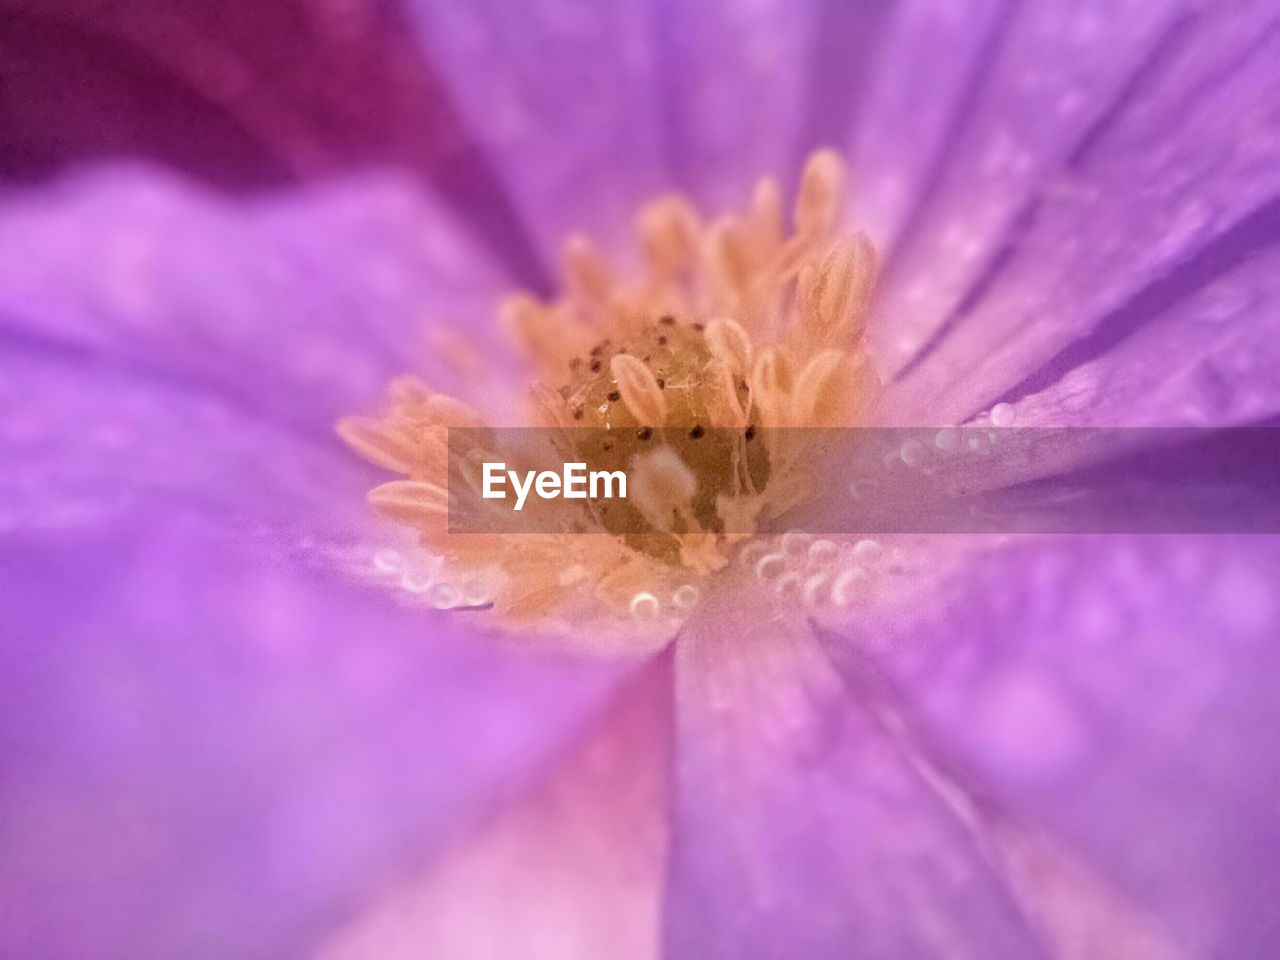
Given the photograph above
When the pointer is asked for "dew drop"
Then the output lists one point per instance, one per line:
(686, 597)
(752, 552)
(475, 593)
(913, 453)
(789, 585)
(817, 589)
(863, 488)
(867, 551)
(795, 542)
(948, 439)
(771, 566)
(1003, 415)
(387, 561)
(415, 581)
(443, 596)
(645, 607)
(851, 587)
(822, 552)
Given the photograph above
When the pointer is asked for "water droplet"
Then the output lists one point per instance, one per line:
(771, 566)
(789, 585)
(795, 542)
(913, 453)
(948, 439)
(853, 586)
(867, 551)
(475, 593)
(387, 561)
(822, 552)
(443, 596)
(863, 488)
(1003, 415)
(817, 589)
(645, 607)
(752, 552)
(686, 597)
(416, 581)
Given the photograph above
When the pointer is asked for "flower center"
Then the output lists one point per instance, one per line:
(689, 378)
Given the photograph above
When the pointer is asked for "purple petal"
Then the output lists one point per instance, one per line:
(572, 869)
(299, 311)
(1045, 78)
(910, 115)
(241, 93)
(801, 829)
(1212, 359)
(83, 440)
(737, 84)
(206, 756)
(1049, 227)
(1114, 695)
(560, 98)
(589, 109)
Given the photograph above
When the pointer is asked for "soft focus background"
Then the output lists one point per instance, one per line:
(225, 223)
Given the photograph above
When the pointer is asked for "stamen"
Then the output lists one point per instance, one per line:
(766, 218)
(729, 344)
(821, 195)
(412, 501)
(380, 444)
(446, 411)
(640, 390)
(670, 235)
(587, 275)
(544, 336)
(824, 390)
(731, 248)
(724, 406)
(663, 488)
(731, 329)
(771, 386)
(833, 295)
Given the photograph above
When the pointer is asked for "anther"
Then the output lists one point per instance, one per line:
(824, 391)
(833, 295)
(414, 501)
(379, 443)
(821, 192)
(640, 390)
(446, 411)
(722, 396)
(771, 386)
(587, 275)
(663, 487)
(730, 344)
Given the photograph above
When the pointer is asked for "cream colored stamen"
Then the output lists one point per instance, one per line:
(640, 391)
(683, 376)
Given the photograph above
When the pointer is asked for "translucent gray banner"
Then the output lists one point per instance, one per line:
(866, 480)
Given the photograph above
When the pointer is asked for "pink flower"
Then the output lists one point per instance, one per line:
(232, 728)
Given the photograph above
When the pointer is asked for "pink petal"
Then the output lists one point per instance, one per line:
(801, 828)
(1210, 360)
(299, 310)
(242, 94)
(206, 755)
(560, 98)
(1053, 228)
(573, 869)
(1112, 696)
